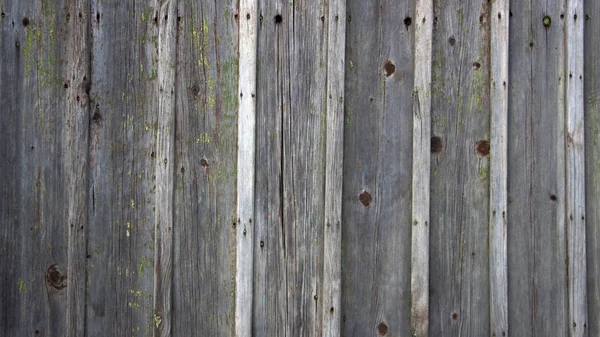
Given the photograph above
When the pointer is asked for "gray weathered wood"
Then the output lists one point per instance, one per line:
(77, 153)
(592, 160)
(499, 83)
(167, 22)
(537, 286)
(206, 155)
(332, 238)
(459, 275)
(421, 168)
(575, 186)
(376, 214)
(248, 25)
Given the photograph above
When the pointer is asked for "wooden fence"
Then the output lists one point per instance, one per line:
(299, 168)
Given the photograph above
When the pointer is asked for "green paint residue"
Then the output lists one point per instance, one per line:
(157, 320)
(142, 263)
(204, 138)
(22, 286)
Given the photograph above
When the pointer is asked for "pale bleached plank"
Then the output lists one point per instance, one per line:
(576, 234)
(498, 167)
(421, 168)
(164, 169)
(332, 259)
(245, 173)
(78, 124)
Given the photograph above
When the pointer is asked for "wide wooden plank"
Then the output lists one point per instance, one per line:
(499, 83)
(332, 240)
(33, 184)
(575, 161)
(270, 287)
(421, 168)
(376, 214)
(205, 182)
(123, 131)
(459, 277)
(248, 25)
(592, 159)
(537, 286)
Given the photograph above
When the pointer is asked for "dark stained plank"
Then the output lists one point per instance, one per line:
(536, 183)
(270, 288)
(303, 83)
(376, 212)
(33, 184)
(332, 240)
(122, 188)
(459, 279)
(591, 77)
(205, 169)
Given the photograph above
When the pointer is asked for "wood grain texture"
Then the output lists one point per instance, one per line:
(537, 279)
(206, 155)
(421, 168)
(77, 154)
(332, 238)
(248, 25)
(575, 151)
(376, 213)
(167, 21)
(592, 160)
(33, 184)
(499, 83)
(459, 276)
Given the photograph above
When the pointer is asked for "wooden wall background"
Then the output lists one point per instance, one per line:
(299, 168)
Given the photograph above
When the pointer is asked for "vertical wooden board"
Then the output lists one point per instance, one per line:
(376, 212)
(303, 83)
(123, 128)
(592, 160)
(205, 169)
(575, 168)
(536, 181)
(459, 279)
(33, 40)
(270, 285)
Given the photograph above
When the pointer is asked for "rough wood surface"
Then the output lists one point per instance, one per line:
(537, 286)
(499, 84)
(376, 213)
(592, 160)
(421, 168)
(459, 277)
(332, 238)
(575, 153)
(248, 25)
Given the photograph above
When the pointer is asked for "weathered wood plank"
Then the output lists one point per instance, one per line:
(592, 159)
(248, 26)
(499, 83)
(575, 161)
(421, 168)
(33, 191)
(167, 21)
(537, 288)
(376, 216)
(332, 240)
(123, 129)
(304, 112)
(206, 154)
(77, 136)
(270, 284)
(459, 256)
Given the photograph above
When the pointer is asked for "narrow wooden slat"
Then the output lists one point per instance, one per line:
(592, 160)
(332, 264)
(164, 169)
(245, 173)
(499, 17)
(421, 168)
(78, 125)
(576, 231)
